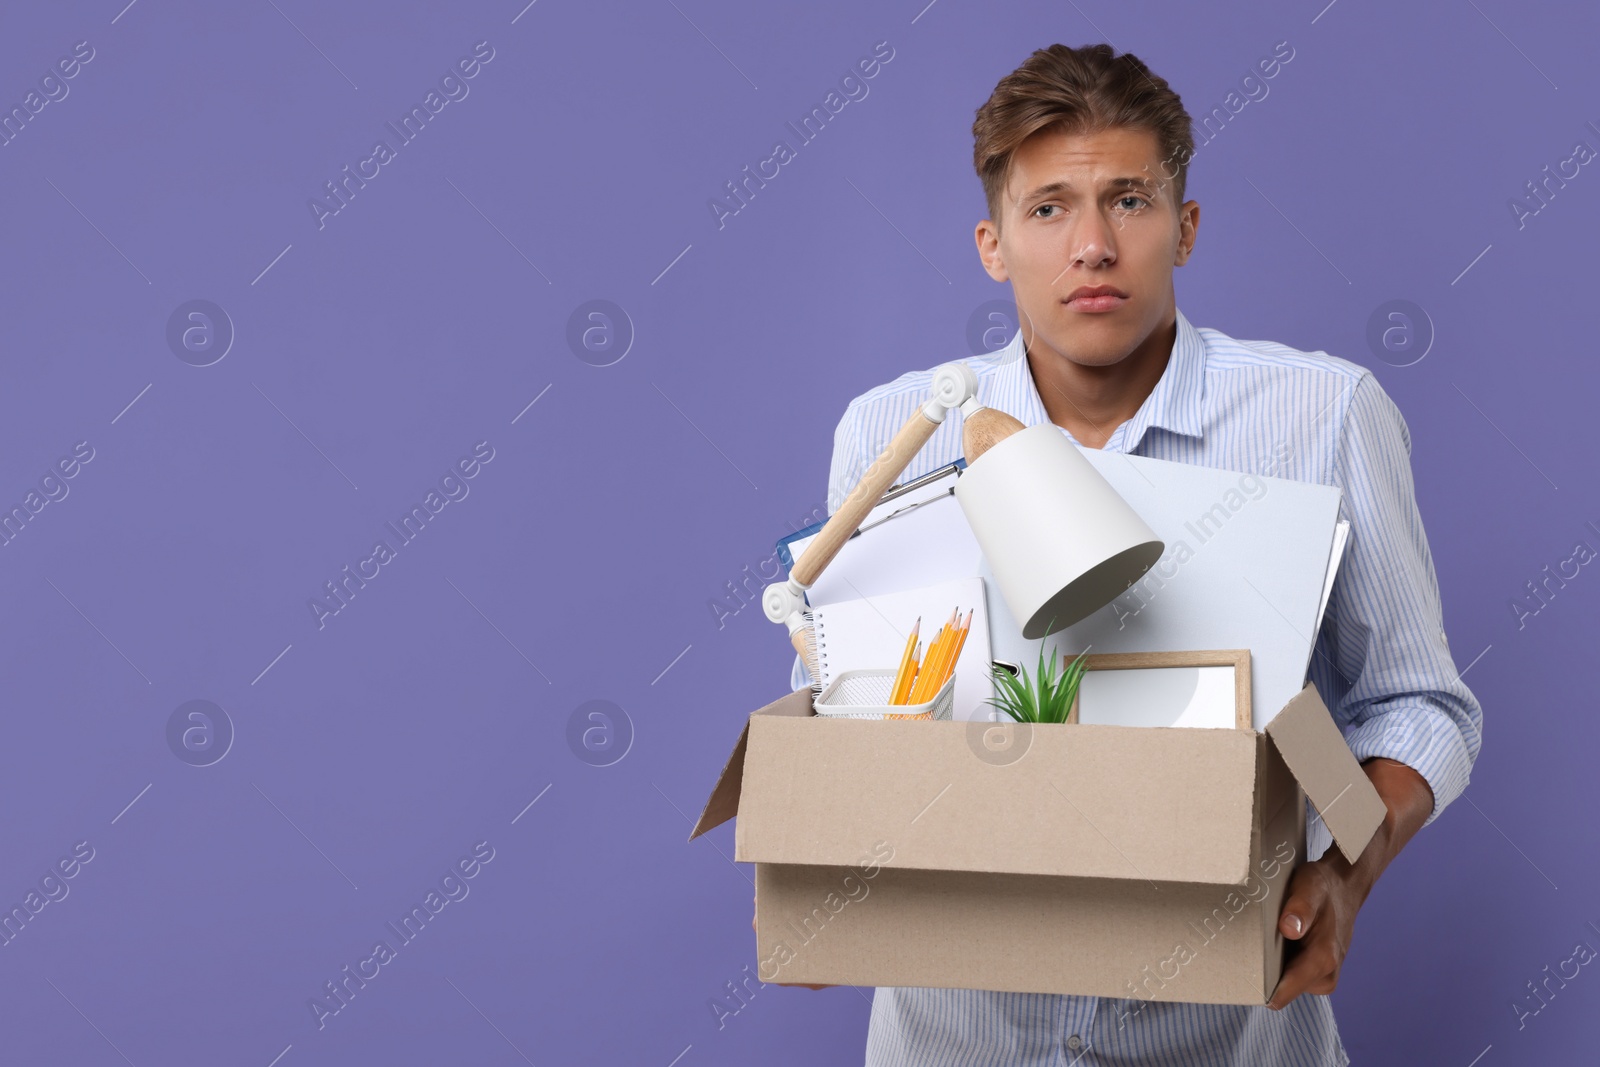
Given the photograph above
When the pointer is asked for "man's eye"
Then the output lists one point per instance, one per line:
(1137, 200)
(1045, 207)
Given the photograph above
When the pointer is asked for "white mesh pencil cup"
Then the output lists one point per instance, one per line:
(864, 694)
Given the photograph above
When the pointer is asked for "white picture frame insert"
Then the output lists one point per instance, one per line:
(1204, 689)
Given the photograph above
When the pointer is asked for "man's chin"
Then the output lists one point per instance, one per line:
(1096, 347)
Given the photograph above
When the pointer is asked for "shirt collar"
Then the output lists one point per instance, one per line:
(1176, 404)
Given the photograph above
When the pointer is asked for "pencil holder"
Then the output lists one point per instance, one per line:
(864, 694)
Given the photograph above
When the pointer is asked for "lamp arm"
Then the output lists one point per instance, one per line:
(954, 384)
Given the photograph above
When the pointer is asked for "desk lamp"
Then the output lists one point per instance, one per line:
(1061, 542)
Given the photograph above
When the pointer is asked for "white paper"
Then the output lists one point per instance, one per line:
(927, 544)
(1341, 534)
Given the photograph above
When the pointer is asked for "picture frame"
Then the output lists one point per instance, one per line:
(1161, 698)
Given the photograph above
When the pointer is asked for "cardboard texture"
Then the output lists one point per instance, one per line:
(1117, 861)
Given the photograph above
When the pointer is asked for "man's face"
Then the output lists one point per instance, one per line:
(1068, 221)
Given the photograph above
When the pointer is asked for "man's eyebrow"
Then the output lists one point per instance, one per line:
(1111, 183)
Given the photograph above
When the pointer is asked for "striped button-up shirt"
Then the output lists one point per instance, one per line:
(1381, 665)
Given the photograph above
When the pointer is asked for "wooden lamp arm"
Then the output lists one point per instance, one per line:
(954, 385)
(889, 465)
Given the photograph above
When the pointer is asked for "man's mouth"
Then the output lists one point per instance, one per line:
(1094, 298)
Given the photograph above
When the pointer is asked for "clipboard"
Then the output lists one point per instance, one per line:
(883, 511)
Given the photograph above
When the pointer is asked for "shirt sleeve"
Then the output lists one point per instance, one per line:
(844, 471)
(1385, 626)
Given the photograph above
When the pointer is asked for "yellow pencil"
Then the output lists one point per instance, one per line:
(961, 640)
(952, 650)
(903, 675)
(919, 691)
(919, 677)
(947, 659)
(925, 669)
(911, 679)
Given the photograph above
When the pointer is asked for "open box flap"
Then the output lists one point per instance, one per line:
(1321, 761)
(1154, 804)
(723, 803)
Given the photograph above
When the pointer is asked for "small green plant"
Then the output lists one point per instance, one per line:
(1048, 701)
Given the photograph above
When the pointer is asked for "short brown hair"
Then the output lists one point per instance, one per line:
(1078, 90)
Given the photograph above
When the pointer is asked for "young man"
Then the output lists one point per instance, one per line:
(1083, 156)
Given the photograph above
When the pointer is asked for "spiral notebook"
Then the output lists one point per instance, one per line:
(871, 633)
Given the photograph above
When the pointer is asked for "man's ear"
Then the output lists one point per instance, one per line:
(1188, 226)
(987, 236)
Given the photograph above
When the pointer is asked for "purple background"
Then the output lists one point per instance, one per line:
(372, 353)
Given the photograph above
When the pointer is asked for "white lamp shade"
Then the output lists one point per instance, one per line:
(1061, 542)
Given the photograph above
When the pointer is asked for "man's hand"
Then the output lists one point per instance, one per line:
(806, 984)
(1324, 895)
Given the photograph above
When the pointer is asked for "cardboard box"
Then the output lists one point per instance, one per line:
(1117, 861)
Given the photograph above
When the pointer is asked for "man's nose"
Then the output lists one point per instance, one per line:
(1094, 242)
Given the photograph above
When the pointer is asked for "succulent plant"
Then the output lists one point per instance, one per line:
(1046, 698)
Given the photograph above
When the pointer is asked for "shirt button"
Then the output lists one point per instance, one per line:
(1074, 1042)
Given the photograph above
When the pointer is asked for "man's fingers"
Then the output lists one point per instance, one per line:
(1308, 972)
(1312, 966)
(1308, 893)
